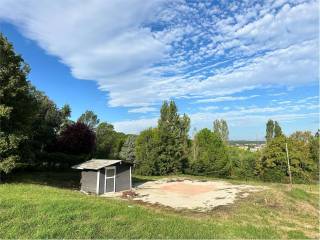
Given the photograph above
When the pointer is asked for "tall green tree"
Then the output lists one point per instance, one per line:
(277, 130)
(269, 130)
(16, 105)
(220, 128)
(147, 152)
(211, 157)
(173, 133)
(109, 142)
(46, 123)
(90, 119)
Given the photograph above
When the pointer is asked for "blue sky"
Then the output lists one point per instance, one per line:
(244, 61)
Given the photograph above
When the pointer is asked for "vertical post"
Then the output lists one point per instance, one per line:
(288, 161)
(130, 179)
(98, 181)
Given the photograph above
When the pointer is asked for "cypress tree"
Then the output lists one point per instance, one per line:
(173, 136)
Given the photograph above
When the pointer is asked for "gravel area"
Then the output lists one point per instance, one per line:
(192, 194)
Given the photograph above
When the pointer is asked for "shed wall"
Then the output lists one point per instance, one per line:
(89, 181)
(102, 181)
(123, 177)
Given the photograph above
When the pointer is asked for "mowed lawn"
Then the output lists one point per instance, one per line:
(47, 205)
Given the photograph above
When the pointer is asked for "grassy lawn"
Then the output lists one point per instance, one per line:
(47, 205)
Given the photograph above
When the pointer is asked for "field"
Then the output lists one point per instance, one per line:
(47, 205)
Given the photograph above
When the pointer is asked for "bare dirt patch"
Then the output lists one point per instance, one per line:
(192, 194)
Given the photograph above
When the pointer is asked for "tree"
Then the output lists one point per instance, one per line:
(128, 149)
(109, 142)
(16, 106)
(269, 130)
(273, 164)
(211, 157)
(77, 138)
(147, 152)
(220, 127)
(65, 113)
(90, 119)
(277, 130)
(303, 136)
(46, 122)
(173, 134)
(243, 163)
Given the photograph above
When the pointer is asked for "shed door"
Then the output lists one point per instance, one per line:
(110, 178)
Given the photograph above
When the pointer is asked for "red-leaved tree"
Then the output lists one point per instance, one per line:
(77, 138)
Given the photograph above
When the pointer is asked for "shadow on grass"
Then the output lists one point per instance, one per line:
(62, 179)
(139, 180)
(69, 179)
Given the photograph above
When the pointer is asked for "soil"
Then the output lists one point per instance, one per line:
(192, 194)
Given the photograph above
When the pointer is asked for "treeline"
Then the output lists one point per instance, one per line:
(167, 149)
(35, 133)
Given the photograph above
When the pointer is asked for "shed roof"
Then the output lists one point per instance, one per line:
(95, 164)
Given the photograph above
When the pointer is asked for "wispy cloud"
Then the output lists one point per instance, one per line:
(142, 110)
(142, 52)
(224, 99)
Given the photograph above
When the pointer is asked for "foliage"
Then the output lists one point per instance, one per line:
(273, 130)
(16, 106)
(58, 160)
(47, 121)
(243, 163)
(314, 153)
(65, 113)
(128, 149)
(173, 135)
(109, 142)
(303, 136)
(147, 152)
(269, 130)
(90, 119)
(273, 164)
(220, 128)
(77, 138)
(210, 155)
(277, 130)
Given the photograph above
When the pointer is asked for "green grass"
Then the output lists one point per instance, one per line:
(46, 205)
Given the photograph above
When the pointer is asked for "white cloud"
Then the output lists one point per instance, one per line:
(135, 126)
(142, 110)
(241, 117)
(140, 52)
(224, 99)
(209, 108)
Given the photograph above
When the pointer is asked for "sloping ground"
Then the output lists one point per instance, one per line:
(203, 196)
(37, 211)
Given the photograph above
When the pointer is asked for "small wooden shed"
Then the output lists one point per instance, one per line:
(101, 176)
